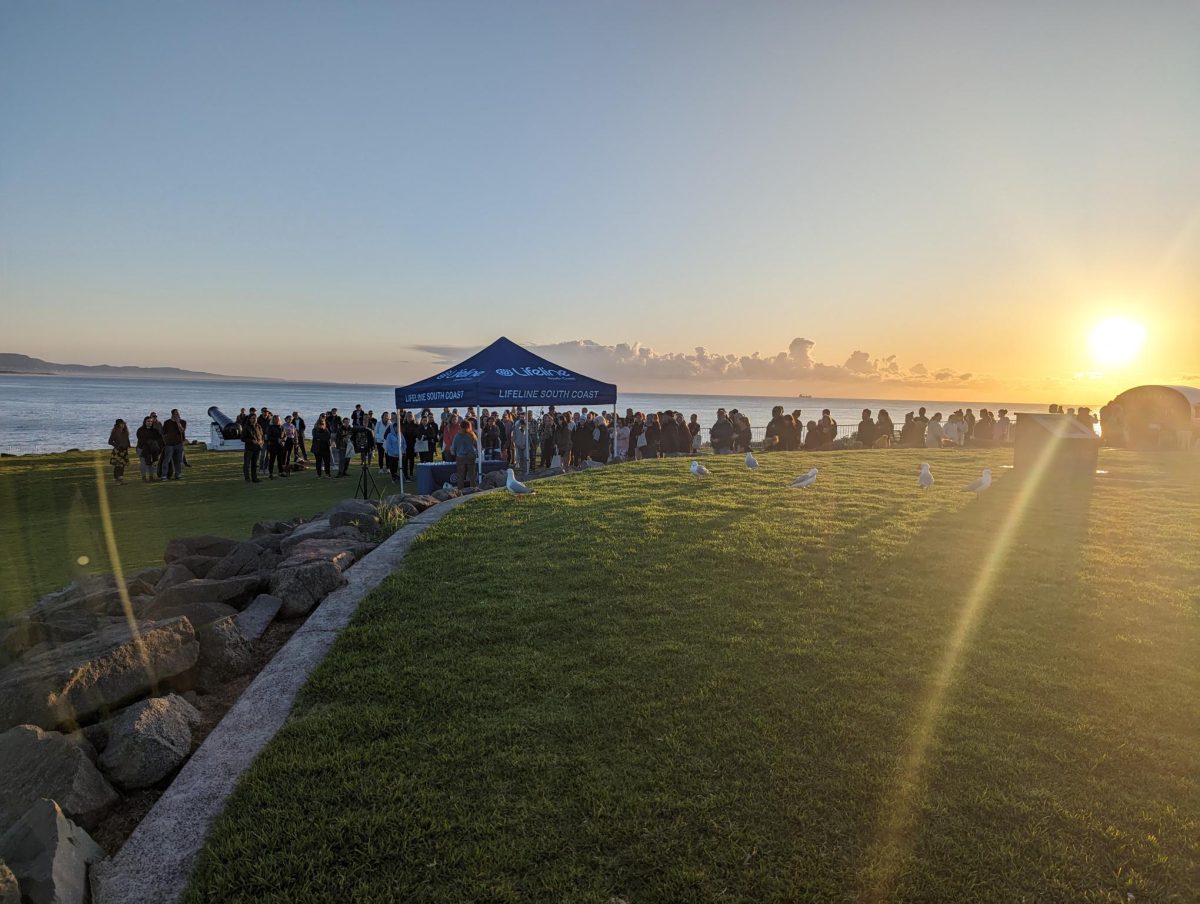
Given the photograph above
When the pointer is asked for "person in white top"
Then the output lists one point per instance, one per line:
(381, 431)
(934, 433)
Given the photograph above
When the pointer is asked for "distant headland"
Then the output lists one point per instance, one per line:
(24, 365)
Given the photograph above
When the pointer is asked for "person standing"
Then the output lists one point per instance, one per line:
(520, 444)
(118, 438)
(321, 443)
(149, 448)
(274, 439)
(173, 439)
(252, 441)
(409, 433)
(449, 433)
(464, 451)
(358, 417)
(300, 426)
(429, 434)
(289, 443)
(392, 441)
(343, 447)
(381, 431)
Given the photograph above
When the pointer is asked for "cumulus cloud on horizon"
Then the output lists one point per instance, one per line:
(625, 361)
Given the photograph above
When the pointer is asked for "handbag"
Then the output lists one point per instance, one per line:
(641, 441)
(696, 442)
(421, 445)
(556, 461)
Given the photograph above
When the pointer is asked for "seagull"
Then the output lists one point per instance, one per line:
(925, 479)
(515, 486)
(804, 481)
(979, 484)
(751, 461)
(698, 470)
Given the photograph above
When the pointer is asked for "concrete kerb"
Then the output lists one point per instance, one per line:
(155, 863)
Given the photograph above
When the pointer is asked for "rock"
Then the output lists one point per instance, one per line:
(200, 566)
(368, 523)
(314, 530)
(205, 545)
(199, 614)
(224, 654)
(149, 575)
(420, 502)
(175, 573)
(22, 635)
(254, 620)
(270, 542)
(234, 591)
(493, 479)
(263, 528)
(77, 681)
(342, 553)
(353, 507)
(246, 558)
(41, 764)
(408, 509)
(445, 495)
(149, 740)
(9, 892)
(49, 855)
(303, 586)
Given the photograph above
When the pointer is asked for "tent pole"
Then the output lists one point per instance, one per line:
(400, 435)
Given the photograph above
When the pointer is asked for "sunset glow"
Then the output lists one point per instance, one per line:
(1117, 341)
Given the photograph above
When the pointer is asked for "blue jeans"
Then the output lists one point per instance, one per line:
(172, 458)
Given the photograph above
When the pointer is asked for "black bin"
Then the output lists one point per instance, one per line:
(1063, 443)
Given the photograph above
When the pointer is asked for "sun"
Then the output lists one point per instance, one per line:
(1116, 341)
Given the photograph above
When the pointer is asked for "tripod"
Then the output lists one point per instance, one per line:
(367, 488)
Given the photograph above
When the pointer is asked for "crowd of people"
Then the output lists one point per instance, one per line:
(279, 445)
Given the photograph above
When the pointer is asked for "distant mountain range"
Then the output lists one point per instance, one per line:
(11, 363)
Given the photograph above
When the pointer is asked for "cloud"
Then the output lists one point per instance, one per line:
(625, 361)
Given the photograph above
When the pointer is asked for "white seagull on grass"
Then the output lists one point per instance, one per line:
(925, 479)
(751, 461)
(980, 483)
(698, 470)
(515, 486)
(804, 481)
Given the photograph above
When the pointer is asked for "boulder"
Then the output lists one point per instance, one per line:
(149, 740)
(444, 495)
(47, 764)
(198, 565)
(49, 855)
(21, 635)
(420, 502)
(175, 573)
(270, 542)
(408, 509)
(246, 558)
(235, 591)
(254, 620)
(199, 614)
(224, 654)
(149, 575)
(264, 528)
(205, 545)
(493, 479)
(313, 530)
(368, 523)
(10, 893)
(341, 552)
(303, 586)
(353, 507)
(77, 681)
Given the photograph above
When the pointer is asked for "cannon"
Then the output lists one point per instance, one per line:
(225, 435)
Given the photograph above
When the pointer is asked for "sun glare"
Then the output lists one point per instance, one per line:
(1116, 341)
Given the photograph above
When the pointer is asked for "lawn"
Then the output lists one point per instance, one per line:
(639, 686)
(50, 513)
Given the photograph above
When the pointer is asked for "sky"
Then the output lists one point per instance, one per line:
(839, 199)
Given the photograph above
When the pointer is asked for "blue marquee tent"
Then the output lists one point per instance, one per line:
(505, 375)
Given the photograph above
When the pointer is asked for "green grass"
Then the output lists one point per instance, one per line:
(50, 514)
(640, 686)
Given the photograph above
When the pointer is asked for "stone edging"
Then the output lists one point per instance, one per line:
(156, 862)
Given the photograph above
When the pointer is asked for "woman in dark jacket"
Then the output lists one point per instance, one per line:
(149, 449)
(274, 436)
(491, 440)
(602, 447)
(322, 442)
(562, 440)
(119, 440)
(653, 437)
(411, 432)
(430, 432)
(636, 428)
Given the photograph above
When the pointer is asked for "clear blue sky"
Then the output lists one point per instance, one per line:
(234, 186)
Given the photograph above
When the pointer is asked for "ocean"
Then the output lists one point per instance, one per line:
(53, 413)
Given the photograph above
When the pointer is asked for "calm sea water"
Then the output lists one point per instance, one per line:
(51, 414)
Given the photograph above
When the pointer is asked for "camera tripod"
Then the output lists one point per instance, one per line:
(367, 488)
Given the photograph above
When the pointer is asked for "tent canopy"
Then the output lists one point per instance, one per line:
(505, 375)
(1166, 406)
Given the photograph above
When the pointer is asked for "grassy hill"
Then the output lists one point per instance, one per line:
(639, 686)
(50, 513)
